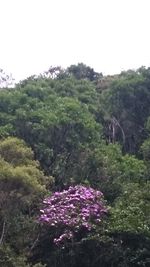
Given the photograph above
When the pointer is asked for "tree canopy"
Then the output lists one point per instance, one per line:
(74, 168)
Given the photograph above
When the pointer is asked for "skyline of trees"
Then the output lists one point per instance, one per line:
(68, 128)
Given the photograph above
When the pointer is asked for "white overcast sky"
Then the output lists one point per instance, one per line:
(108, 35)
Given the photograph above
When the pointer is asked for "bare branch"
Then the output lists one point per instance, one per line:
(3, 232)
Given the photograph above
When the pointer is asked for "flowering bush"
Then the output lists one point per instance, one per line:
(71, 210)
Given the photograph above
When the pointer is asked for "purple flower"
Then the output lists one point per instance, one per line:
(72, 209)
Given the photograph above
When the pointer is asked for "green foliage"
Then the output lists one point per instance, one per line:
(81, 71)
(80, 128)
(133, 169)
(22, 185)
(16, 152)
(145, 149)
(8, 258)
(126, 110)
(131, 212)
(106, 169)
(18, 167)
(58, 133)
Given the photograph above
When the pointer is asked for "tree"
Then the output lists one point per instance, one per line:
(6, 80)
(81, 71)
(58, 131)
(126, 109)
(131, 212)
(72, 211)
(22, 185)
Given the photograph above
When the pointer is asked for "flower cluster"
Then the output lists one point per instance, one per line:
(73, 209)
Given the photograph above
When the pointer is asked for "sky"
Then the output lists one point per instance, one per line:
(107, 35)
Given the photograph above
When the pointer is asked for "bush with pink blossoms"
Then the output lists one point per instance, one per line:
(72, 210)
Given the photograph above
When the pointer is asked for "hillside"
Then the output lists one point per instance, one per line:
(67, 128)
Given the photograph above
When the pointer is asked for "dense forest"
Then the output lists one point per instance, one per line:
(75, 169)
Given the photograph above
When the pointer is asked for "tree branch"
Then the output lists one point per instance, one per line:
(3, 232)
